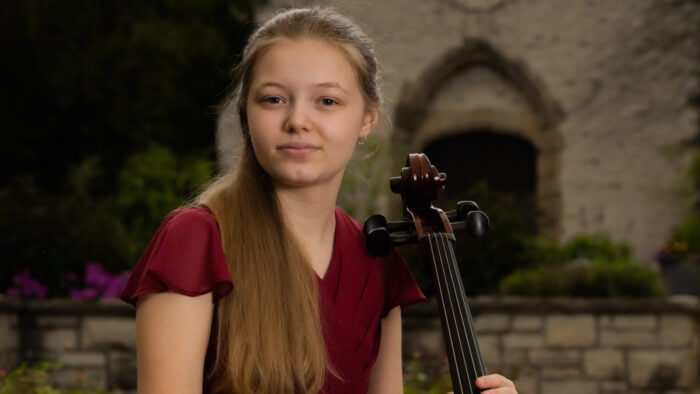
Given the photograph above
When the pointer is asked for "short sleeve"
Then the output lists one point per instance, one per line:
(185, 256)
(401, 287)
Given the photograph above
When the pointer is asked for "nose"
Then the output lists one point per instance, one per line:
(297, 119)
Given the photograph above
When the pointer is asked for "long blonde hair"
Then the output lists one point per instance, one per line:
(268, 332)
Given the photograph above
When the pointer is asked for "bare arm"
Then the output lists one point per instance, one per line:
(172, 332)
(387, 374)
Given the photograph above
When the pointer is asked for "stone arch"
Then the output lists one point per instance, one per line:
(474, 88)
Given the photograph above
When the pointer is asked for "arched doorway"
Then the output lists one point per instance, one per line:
(475, 96)
(504, 163)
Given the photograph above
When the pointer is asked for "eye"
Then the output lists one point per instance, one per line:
(328, 101)
(272, 100)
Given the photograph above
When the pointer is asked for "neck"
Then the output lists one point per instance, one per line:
(309, 212)
(310, 216)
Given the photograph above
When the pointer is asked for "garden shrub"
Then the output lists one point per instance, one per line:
(36, 379)
(151, 184)
(586, 266)
(51, 235)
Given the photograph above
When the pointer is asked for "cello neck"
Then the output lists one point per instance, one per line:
(459, 334)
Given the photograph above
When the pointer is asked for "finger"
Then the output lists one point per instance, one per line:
(494, 381)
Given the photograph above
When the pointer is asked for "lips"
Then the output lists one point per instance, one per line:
(298, 149)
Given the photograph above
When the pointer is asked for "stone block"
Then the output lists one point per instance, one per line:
(424, 341)
(527, 323)
(490, 349)
(569, 386)
(526, 384)
(677, 330)
(60, 339)
(492, 323)
(122, 370)
(557, 358)
(605, 321)
(8, 359)
(662, 369)
(89, 379)
(604, 363)
(108, 331)
(9, 337)
(550, 372)
(628, 338)
(635, 322)
(516, 357)
(521, 340)
(570, 330)
(54, 322)
(613, 387)
(81, 359)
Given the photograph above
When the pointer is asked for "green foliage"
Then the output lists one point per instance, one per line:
(36, 379)
(426, 375)
(151, 184)
(584, 267)
(53, 234)
(596, 246)
(93, 93)
(684, 243)
(485, 262)
(107, 78)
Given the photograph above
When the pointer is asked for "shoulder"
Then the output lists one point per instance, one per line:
(189, 220)
(195, 215)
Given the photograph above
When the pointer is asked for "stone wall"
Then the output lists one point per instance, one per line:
(94, 343)
(579, 346)
(549, 346)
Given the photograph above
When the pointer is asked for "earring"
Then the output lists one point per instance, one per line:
(361, 140)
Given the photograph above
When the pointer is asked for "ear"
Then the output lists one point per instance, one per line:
(369, 122)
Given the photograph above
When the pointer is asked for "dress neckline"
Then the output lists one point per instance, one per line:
(332, 268)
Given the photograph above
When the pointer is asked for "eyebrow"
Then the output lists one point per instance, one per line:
(320, 85)
(331, 85)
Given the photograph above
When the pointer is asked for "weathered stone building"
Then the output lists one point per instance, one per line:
(587, 104)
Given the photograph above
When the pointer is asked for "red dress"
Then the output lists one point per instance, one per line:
(357, 291)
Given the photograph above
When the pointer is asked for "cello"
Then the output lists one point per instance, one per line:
(433, 229)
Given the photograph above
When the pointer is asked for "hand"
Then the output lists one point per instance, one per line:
(495, 384)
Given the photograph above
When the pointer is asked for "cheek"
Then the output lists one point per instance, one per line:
(258, 127)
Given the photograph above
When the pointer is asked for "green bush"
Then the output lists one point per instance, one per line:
(485, 262)
(425, 374)
(52, 235)
(36, 379)
(592, 266)
(152, 183)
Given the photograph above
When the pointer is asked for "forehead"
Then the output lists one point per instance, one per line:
(304, 60)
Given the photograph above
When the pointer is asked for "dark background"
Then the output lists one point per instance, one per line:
(108, 122)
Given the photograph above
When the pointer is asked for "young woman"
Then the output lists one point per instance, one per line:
(263, 285)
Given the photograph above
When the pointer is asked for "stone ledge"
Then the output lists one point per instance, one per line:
(67, 307)
(688, 305)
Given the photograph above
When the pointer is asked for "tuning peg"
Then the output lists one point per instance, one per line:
(377, 236)
(464, 207)
(477, 224)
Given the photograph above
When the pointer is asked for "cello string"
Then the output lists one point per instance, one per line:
(450, 263)
(470, 328)
(450, 343)
(465, 332)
